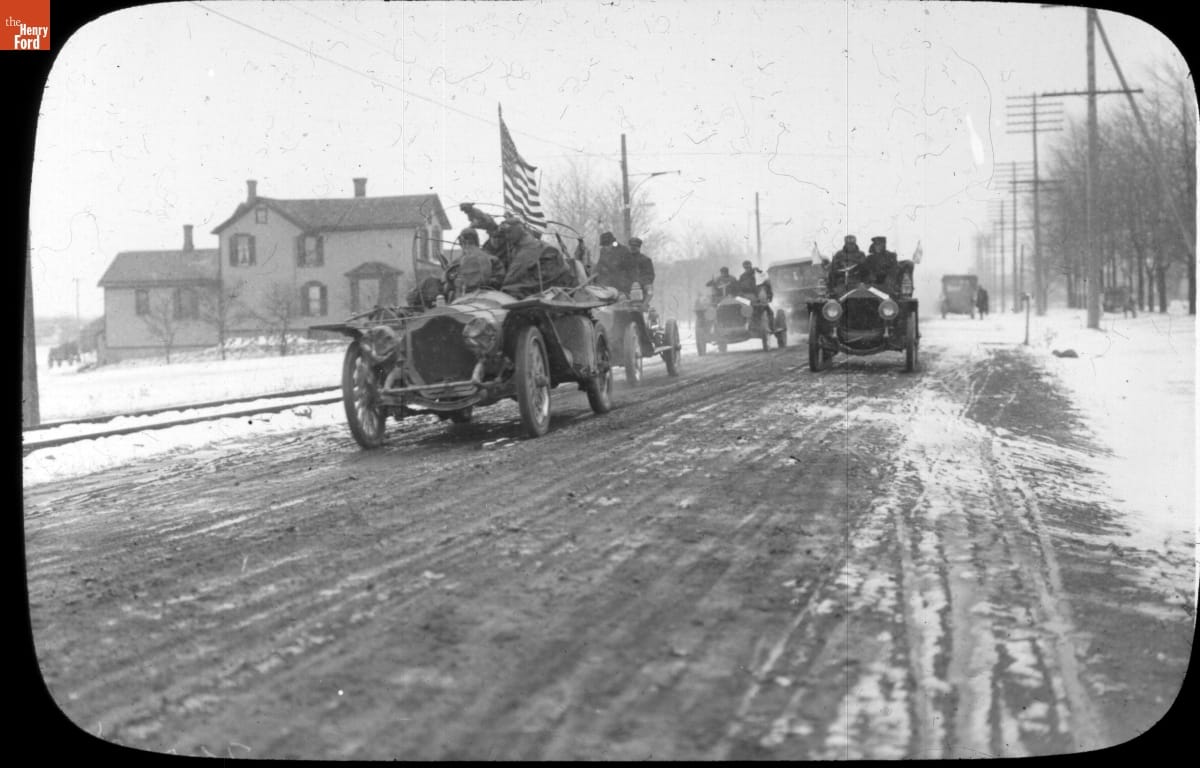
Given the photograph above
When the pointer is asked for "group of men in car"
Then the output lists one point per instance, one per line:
(746, 284)
(851, 265)
(519, 263)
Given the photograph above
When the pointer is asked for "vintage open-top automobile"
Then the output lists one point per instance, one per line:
(636, 333)
(857, 317)
(732, 318)
(482, 347)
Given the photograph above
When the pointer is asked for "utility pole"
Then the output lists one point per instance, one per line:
(1015, 273)
(628, 217)
(1000, 258)
(1029, 115)
(30, 414)
(757, 233)
(1094, 267)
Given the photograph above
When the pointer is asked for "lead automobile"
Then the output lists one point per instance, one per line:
(481, 348)
(859, 316)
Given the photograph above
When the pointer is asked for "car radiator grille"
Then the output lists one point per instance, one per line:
(438, 352)
(730, 314)
(861, 315)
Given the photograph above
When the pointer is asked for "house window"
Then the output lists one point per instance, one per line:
(314, 300)
(241, 250)
(260, 214)
(436, 242)
(187, 304)
(141, 299)
(310, 251)
(421, 244)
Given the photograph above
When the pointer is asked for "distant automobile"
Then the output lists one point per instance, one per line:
(1119, 300)
(795, 283)
(730, 318)
(65, 353)
(958, 294)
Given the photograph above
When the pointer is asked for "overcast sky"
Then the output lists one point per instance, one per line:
(862, 117)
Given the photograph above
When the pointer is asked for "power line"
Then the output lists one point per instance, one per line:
(379, 81)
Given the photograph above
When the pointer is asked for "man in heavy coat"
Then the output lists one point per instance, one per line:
(533, 266)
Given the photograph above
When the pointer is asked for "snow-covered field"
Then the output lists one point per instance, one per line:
(139, 385)
(1133, 381)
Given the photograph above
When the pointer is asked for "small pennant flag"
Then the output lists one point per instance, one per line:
(917, 253)
(520, 184)
(817, 258)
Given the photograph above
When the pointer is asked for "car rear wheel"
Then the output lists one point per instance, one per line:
(360, 395)
(532, 379)
(672, 356)
(633, 355)
(599, 387)
(911, 344)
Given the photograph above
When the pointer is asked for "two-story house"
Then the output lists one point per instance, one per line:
(302, 262)
(154, 299)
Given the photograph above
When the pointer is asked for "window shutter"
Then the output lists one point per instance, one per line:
(251, 239)
(233, 251)
(324, 301)
(320, 250)
(300, 251)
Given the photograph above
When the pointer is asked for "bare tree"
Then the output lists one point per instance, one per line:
(163, 323)
(1138, 237)
(221, 307)
(591, 201)
(280, 305)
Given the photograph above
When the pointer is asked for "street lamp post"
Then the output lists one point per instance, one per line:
(627, 193)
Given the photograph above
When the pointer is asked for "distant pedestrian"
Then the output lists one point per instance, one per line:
(981, 302)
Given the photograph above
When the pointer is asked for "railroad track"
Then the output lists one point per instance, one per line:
(43, 436)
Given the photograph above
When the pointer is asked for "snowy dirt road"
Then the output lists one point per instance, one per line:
(749, 561)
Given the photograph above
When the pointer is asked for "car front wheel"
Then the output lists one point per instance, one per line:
(360, 395)
(532, 379)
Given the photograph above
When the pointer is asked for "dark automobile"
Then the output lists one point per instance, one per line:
(795, 283)
(1119, 300)
(65, 353)
(856, 317)
(730, 318)
(958, 294)
(482, 347)
(636, 333)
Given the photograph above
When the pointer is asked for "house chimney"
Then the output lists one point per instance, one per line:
(360, 187)
(251, 190)
(188, 247)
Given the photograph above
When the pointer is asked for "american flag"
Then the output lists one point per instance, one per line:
(520, 184)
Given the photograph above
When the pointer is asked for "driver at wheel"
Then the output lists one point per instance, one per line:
(723, 284)
(845, 262)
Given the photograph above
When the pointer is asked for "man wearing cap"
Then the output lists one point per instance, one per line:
(533, 266)
(880, 265)
(844, 262)
(723, 284)
(641, 268)
(611, 265)
(477, 269)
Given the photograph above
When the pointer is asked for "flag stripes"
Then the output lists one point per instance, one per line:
(520, 184)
